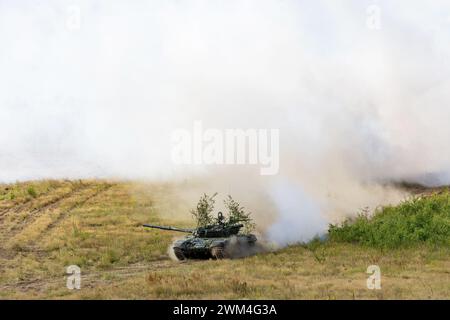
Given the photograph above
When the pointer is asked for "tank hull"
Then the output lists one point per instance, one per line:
(215, 248)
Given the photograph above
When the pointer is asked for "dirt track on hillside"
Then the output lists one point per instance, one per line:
(90, 279)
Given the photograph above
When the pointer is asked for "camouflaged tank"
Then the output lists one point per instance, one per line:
(212, 241)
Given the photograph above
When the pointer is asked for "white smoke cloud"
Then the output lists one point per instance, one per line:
(300, 217)
(355, 107)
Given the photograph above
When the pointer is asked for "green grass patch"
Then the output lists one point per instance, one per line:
(414, 221)
(32, 192)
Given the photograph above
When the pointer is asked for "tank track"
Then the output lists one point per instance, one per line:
(219, 253)
(179, 254)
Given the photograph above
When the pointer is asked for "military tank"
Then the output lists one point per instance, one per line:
(217, 241)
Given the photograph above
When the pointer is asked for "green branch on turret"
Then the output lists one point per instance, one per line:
(203, 212)
(237, 214)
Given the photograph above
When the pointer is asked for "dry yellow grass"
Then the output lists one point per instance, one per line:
(46, 226)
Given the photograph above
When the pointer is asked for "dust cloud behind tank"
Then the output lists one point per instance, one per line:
(218, 241)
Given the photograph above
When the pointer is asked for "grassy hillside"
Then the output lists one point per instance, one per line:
(46, 226)
(420, 220)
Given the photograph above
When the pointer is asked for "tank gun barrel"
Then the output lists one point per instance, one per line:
(168, 228)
